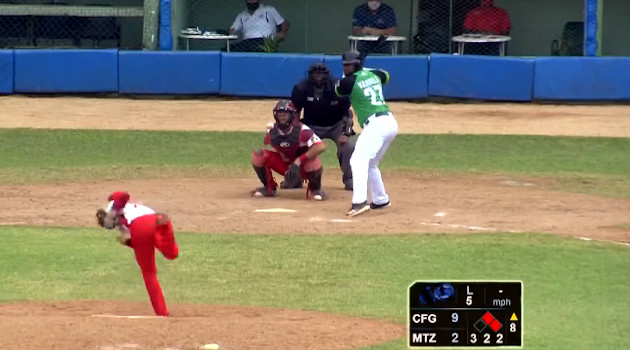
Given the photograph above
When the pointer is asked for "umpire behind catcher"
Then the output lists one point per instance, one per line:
(327, 114)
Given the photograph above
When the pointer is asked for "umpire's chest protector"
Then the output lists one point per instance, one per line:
(321, 106)
(287, 144)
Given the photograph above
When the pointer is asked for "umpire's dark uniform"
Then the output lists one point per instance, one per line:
(327, 114)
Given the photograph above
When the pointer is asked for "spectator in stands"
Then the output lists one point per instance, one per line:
(374, 18)
(487, 19)
(262, 28)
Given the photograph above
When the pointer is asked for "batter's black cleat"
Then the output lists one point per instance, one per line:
(375, 206)
(358, 209)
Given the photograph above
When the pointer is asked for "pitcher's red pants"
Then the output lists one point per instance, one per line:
(146, 236)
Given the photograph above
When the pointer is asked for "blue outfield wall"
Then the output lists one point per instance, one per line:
(273, 75)
(582, 78)
(481, 77)
(6, 71)
(263, 74)
(409, 74)
(59, 71)
(167, 72)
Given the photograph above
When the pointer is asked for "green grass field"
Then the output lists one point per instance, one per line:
(576, 292)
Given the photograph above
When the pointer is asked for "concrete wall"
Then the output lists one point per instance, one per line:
(616, 28)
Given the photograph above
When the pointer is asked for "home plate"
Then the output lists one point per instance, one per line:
(122, 316)
(275, 210)
(340, 220)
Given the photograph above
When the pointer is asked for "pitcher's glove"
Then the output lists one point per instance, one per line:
(106, 221)
(292, 178)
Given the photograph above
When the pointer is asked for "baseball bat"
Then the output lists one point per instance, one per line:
(362, 55)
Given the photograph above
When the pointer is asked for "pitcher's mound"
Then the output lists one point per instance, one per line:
(114, 325)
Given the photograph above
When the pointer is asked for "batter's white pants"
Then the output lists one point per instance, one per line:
(378, 133)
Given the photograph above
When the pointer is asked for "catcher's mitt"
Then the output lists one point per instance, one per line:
(106, 221)
(292, 178)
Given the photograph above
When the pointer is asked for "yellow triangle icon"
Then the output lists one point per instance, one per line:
(513, 318)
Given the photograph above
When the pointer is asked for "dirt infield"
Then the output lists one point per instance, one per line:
(106, 325)
(456, 204)
(253, 115)
(421, 203)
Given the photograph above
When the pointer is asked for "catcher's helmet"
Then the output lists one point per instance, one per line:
(318, 79)
(285, 105)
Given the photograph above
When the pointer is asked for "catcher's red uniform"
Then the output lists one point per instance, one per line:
(287, 147)
(148, 231)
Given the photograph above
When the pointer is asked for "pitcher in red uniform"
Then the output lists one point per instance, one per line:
(294, 145)
(143, 230)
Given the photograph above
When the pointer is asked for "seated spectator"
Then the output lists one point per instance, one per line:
(374, 18)
(257, 23)
(486, 19)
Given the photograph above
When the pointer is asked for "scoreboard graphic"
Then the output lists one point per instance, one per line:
(465, 314)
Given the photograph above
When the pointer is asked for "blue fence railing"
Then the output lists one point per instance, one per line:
(273, 75)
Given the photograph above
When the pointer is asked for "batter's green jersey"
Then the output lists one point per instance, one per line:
(365, 89)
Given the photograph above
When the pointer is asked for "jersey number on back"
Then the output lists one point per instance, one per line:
(375, 93)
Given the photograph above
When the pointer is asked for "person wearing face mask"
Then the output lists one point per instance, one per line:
(258, 22)
(487, 19)
(374, 18)
(327, 114)
(289, 146)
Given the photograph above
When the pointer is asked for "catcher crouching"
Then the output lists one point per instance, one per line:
(295, 146)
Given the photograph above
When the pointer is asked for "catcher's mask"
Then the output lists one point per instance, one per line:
(284, 113)
(351, 62)
(318, 74)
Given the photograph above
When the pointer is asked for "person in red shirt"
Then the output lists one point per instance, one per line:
(293, 145)
(487, 19)
(143, 230)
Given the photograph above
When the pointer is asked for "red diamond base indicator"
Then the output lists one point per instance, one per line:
(487, 318)
(495, 325)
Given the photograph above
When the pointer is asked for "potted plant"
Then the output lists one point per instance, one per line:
(270, 44)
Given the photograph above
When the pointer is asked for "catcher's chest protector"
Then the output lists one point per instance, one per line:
(287, 144)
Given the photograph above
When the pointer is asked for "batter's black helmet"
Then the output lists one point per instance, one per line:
(285, 105)
(352, 57)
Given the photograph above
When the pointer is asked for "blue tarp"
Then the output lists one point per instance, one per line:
(590, 27)
(166, 37)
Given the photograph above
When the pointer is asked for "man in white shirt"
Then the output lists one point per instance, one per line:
(258, 22)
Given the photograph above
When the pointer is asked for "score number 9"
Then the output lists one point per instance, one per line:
(455, 318)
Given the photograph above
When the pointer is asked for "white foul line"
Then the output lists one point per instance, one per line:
(121, 316)
(603, 240)
(275, 210)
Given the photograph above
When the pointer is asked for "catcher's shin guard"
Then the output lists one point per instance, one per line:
(266, 178)
(314, 189)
